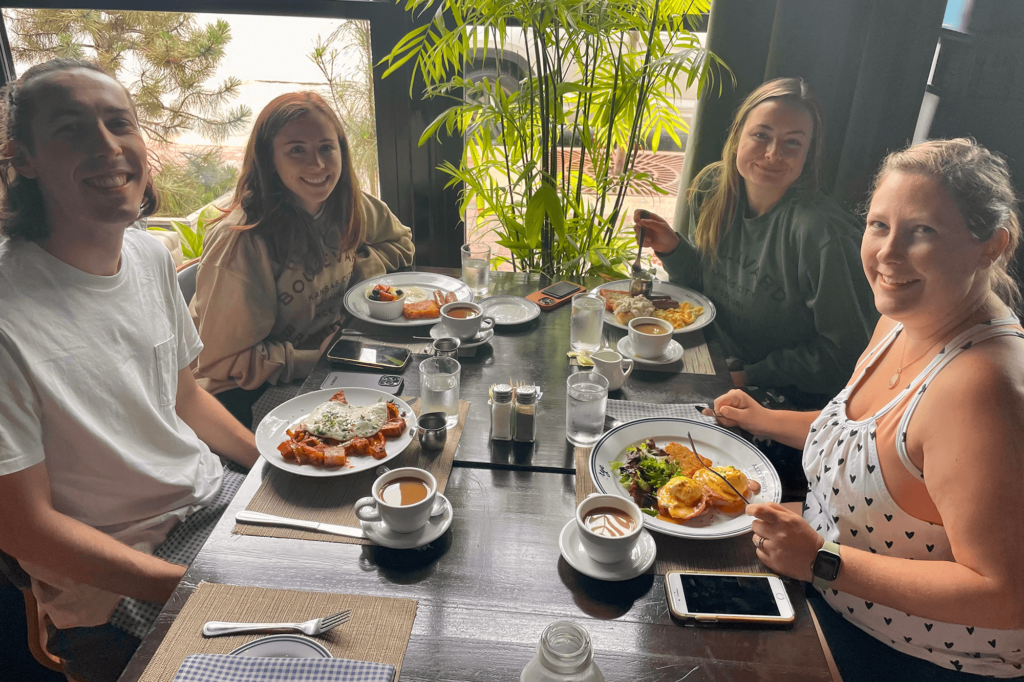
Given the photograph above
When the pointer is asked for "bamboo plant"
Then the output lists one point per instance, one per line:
(601, 77)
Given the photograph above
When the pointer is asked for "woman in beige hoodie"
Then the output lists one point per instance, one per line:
(275, 268)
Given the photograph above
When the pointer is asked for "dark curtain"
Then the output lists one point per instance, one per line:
(867, 61)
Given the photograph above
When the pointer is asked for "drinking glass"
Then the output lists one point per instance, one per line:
(585, 405)
(586, 322)
(439, 387)
(476, 267)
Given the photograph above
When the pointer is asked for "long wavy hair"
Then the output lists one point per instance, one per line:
(979, 183)
(269, 207)
(719, 183)
(22, 210)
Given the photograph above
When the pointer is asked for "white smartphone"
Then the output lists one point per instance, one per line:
(711, 597)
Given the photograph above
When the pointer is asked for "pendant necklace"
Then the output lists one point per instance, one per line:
(894, 379)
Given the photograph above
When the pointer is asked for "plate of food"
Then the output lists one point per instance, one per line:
(686, 309)
(421, 295)
(650, 461)
(336, 432)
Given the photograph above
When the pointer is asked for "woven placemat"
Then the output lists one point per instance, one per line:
(378, 631)
(331, 500)
(696, 357)
(680, 554)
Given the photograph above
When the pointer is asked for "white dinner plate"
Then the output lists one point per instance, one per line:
(271, 431)
(355, 297)
(282, 646)
(715, 443)
(510, 309)
(678, 293)
(640, 559)
(379, 533)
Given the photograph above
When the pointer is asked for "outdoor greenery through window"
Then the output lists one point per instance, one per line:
(200, 80)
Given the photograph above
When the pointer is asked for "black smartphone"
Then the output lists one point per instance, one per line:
(389, 383)
(377, 356)
(561, 290)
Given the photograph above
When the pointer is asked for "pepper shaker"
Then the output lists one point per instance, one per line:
(525, 430)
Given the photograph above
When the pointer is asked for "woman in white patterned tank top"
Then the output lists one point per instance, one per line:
(916, 468)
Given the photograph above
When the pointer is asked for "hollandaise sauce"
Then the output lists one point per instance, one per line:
(609, 521)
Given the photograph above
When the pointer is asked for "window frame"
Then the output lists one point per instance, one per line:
(410, 183)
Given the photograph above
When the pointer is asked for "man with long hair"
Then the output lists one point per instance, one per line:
(105, 438)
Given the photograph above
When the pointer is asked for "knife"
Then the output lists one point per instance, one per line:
(271, 520)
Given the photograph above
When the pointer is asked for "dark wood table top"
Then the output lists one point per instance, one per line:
(534, 352)
(488, 587)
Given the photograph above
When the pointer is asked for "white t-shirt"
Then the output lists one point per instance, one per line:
(89, 369)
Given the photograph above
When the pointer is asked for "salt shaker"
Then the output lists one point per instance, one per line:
(525, 418)
(563, 655)
(501, 412)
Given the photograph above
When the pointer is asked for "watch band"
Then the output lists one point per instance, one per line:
(830, 548)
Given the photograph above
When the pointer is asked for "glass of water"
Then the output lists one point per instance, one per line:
(439, 387)
(585, 405)
(586, 322)
(476, 267)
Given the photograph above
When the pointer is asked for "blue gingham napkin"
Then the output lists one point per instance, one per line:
(627, 411)
(226, 668)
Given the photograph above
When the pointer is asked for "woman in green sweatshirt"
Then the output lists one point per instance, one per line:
(778, 258)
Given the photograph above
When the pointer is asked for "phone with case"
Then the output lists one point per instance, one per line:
(714, 597)
(558, 294)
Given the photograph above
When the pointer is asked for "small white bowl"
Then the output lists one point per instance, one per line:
(384, 310)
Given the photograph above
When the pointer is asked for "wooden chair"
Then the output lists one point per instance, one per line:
(17, 576)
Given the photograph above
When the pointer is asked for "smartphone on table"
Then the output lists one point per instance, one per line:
(389, 383)
(555, 295)
(713, 597)
(373, 355)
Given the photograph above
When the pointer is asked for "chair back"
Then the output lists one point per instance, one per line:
(187, 280)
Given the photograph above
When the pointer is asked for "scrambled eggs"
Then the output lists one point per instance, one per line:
(680, 316)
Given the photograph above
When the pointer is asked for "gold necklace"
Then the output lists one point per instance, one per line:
(895, 378)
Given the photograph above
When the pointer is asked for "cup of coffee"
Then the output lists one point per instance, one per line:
(609, 527)
(649, 337)
(402, 499)
(465, 319)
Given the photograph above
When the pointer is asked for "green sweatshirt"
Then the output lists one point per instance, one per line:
(790, 293)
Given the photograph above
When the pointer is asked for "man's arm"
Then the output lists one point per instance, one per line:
(212, 422)
(32, 530)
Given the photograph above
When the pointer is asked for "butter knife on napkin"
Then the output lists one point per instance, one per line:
(262, 519)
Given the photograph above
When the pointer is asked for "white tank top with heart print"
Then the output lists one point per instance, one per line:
(848, 503)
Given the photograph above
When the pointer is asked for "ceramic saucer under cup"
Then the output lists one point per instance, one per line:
(673, 353)
(379, 533)
(640, 559)
(440, 331)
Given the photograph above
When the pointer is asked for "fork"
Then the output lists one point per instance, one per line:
(694, 448)
(317, 626)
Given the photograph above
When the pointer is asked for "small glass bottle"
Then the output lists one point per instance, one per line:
(501, 412)
(525, 417)
(563, 655)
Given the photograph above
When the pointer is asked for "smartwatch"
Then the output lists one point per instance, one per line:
(826, 565)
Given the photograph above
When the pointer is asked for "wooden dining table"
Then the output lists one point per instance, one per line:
(489, 586)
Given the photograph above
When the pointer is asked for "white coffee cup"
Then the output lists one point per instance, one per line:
(609, 364)
(603, 548)
(466, 327)
(401, 519)
(649, 346)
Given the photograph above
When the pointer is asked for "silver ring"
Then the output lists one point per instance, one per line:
(760, 543)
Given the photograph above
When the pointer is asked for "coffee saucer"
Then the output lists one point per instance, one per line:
(440, 331)
(640, 559)
(379, 533)
(674, 353)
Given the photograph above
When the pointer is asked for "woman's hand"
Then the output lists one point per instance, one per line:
(659, 234)
(736, 408)
(789, 544)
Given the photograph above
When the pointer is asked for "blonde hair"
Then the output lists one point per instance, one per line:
(979, 183)
(720, 181)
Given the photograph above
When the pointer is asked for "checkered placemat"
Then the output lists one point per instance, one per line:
(227, 668)
(627, 411)
(136, 617)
